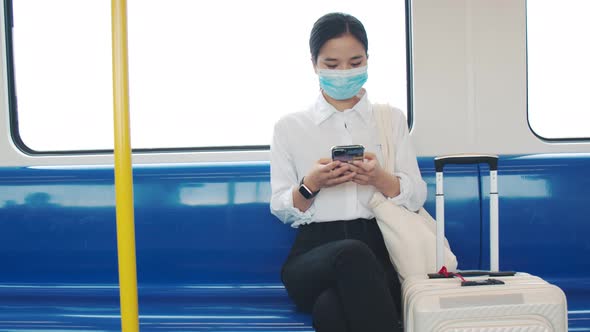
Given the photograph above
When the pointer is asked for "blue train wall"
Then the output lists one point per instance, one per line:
(209, 252)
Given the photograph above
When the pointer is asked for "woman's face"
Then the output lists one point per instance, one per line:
(344, 52)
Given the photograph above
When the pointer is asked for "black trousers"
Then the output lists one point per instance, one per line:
(340, 272)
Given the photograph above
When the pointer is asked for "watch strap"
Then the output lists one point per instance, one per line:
(305, 191)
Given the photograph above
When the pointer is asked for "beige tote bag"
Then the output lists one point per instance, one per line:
(410, 237)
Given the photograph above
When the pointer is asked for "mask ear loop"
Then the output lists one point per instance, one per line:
(361, 93)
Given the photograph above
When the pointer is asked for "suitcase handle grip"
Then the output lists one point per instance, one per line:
(482, 282)
(492, 160)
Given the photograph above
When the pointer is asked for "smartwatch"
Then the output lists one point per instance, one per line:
(306, 192)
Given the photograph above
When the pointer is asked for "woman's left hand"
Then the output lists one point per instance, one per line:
(368, 171)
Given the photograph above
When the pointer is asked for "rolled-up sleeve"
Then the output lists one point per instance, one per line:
(412, 186)
(283, 179)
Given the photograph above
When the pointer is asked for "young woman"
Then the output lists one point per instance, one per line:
(338, 268)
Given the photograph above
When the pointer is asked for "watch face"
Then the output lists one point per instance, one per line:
(305, 192)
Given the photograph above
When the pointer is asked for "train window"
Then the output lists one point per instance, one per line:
(558, 69)
(201, 76)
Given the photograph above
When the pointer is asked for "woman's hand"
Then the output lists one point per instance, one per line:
(369, 172)
(324, 173)
(327, 173)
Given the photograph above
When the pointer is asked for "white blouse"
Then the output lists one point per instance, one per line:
(301, 139)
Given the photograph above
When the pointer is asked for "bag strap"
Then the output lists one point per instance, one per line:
(384, 120)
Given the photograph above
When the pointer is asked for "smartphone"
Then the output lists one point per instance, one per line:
(348, 153)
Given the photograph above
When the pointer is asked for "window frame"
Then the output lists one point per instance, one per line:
(542, 138)
(22, 146)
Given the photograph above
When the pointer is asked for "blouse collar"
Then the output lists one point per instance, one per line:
(323, 110)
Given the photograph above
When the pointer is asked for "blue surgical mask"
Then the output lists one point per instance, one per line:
(342, 84)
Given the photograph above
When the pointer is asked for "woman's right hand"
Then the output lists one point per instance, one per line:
(327, 173)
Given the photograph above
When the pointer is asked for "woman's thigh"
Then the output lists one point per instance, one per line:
(308, 275)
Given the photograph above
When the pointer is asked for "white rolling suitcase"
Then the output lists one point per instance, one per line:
(490, 302)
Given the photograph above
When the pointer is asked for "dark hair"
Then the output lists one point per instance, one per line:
(334, 25)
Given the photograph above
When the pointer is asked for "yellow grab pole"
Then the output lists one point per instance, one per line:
(123, 172)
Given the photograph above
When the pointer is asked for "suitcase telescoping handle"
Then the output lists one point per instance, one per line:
(439, 163)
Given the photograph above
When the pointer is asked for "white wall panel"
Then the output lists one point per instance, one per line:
(471, 95)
